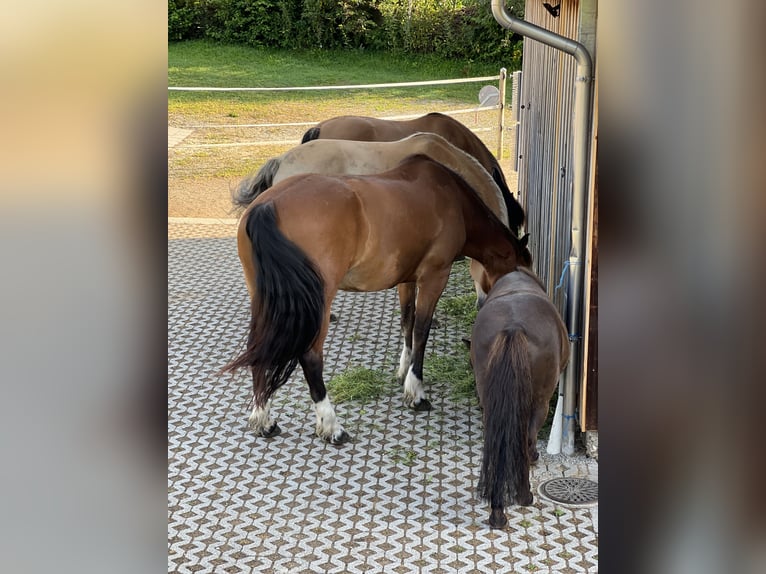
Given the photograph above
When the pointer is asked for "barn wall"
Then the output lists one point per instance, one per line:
(545, 166)
(545, 147)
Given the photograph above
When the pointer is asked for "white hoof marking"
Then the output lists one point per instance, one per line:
(414, 391)
(328, 426)
(259, 419)
(404, 362)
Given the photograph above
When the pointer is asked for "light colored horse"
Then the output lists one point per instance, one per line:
(519, 347)
(364, 128)
(330, 156)
(310, 235)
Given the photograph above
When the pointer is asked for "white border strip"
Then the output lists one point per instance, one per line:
(203, 220)
(291, 124)
(240, 144)
(268, 143)
(349, 87)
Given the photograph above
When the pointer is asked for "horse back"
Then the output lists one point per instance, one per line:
(361, 128)
(414, 223)
(369, 233)
(527, 310)
(458, 135)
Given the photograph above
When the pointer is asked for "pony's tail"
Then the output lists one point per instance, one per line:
(287, 308)
(311, 134)
(507, 405)
(253, 186)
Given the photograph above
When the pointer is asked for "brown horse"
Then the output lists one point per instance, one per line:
(362, 128)
(519, 347)
(360, 158)
(310, 235)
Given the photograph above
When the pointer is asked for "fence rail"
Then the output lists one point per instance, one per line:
(500, 107)
(315, 122)
(347, 87)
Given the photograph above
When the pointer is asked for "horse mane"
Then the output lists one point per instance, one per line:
(470, 193)
(467, 157)
(255, 184)
(516, 214)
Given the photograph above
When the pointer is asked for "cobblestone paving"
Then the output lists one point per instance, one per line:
(398, 499)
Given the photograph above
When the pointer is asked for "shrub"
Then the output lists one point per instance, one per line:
(462, 29)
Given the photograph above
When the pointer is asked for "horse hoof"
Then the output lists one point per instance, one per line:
(342, 438)
(497, 519)
(524, 499)
(270, 432)
(423, 406)
(333, 318)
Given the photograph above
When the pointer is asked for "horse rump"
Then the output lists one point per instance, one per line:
(287, 308)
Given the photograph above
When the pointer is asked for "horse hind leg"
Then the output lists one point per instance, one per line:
(260, 420)
(540, 410)
(497, 518)
(328, 426)
(524, 495)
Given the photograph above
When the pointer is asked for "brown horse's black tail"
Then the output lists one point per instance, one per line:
(287, 308)
(507, 401)
(311, 134)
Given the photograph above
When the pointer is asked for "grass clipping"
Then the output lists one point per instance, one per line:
(358, 384)
(454, 368)
(455, 371)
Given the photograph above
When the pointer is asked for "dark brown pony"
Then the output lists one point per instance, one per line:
(310, 235)
(362, 128)
(519, 347)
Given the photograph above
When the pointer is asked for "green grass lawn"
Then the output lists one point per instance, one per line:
(207, 64)
(202, 63)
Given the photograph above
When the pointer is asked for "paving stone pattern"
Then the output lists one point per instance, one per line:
(398, 499)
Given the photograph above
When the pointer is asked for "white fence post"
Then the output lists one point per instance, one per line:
(501, 113)
(515, 118)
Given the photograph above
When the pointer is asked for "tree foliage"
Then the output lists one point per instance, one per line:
(454, 29)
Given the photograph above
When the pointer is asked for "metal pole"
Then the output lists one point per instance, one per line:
(501, 113)
(581, 137)
(515, 105)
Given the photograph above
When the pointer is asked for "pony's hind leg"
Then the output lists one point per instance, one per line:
(260, 420)
(328, 426)
(497, 518)
(536, 421)
(407, 293)
(524, 494)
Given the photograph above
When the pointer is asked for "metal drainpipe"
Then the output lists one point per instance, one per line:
(582, 109)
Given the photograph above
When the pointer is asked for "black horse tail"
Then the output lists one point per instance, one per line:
(311, 134)
(516, 213)
(253, 186)
(287, 308)
(507, 402)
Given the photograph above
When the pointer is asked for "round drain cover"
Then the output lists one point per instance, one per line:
(570, 491)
